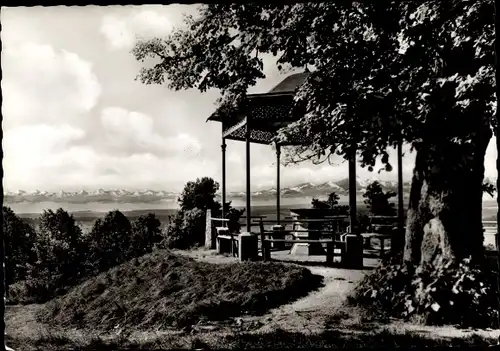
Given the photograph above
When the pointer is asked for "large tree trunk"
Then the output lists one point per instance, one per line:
(444, 220)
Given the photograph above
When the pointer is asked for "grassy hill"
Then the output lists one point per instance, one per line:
(160, 290)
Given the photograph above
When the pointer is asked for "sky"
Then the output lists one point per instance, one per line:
(75, 118)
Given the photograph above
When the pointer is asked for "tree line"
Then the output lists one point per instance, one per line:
(43, 261)
(375, 198)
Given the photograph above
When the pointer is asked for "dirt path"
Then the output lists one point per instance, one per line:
(308, 314)
(325, 309)
(311, 313)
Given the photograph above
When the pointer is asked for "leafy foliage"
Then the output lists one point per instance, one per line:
(146, 233)
(57, 255)
(19, 238)
(390, 67)
(199, 194)
(462, 294)
(110, 241)
(60, 258)
(332, 203)
(378, 201)
(187, 227)
(489, 188)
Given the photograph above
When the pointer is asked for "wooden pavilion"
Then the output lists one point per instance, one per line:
(259, 120)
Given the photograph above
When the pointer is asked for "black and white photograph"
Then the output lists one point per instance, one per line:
(250, 175)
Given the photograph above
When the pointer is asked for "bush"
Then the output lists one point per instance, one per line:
(199, 194)
(60, 258)
(363, 221)
(378, 201)
(185, 230)
(109, 241)
(146, 233)
(19, 238)
(234, 216)
(461, 294)
(332, 203)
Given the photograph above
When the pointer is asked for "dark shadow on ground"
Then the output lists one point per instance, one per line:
(320, 264)
(339, 338)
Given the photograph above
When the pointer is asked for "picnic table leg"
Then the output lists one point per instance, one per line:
(231, 242)
(382, 247)
(329, 253)
(342, 253)
(266, 250)
(234, 246)
(264, 245)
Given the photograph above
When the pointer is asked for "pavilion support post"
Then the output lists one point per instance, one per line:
(398, 243)
(353, 253)
(352, 193)
(278, 188)
(497, 77)
(248, 190)
(223, 147)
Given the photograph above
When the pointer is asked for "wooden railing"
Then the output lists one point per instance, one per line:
(489, 227)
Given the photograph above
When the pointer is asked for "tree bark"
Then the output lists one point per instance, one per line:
(444, 221)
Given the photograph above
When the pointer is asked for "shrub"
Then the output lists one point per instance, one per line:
(109, 241)
(60, 258)
(363, 221)
(19, 238)
(185, 230)
(199, 194)
(462, 294)
(332, 204)
(146, 233)
(378, 201)
(187, 227)
(233, 214)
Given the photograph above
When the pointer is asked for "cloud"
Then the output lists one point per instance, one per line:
(134, 132)
(81, 167)
(47, 94)
(32, 153)
(41, 156)
(43, 84)
(186, 143)
(122, 32)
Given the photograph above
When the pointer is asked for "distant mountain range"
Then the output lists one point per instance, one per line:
(304, 190)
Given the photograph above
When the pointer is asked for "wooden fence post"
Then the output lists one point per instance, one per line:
(209, 244)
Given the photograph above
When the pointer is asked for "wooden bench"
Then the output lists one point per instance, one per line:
(225, 238)
(232, 240)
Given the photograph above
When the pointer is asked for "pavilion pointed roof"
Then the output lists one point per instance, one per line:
(290, 84)
(265, 113)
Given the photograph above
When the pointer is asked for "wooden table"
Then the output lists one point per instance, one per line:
(380, 237)
(312, 221)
